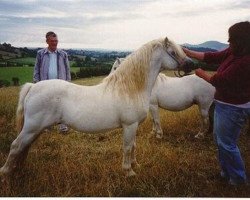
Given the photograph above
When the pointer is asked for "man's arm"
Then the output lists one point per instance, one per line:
(36, 73)
(68, 75)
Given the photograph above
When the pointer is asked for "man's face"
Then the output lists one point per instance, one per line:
(52, 43)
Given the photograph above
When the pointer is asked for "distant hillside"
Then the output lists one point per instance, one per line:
(200, 49)
(209, 44)
(9, 52)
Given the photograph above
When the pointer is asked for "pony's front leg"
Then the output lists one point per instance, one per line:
(134, 162)
(154, 109)
(129, 133)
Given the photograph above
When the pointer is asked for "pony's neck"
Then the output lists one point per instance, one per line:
(154, 70)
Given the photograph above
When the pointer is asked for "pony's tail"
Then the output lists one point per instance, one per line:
(19, 114)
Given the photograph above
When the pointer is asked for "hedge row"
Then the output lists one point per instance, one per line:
(90, 71)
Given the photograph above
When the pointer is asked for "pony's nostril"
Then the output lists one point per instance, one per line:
(188, 66)
(191, 63)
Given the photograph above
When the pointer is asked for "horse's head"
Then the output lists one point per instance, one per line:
(174, 58)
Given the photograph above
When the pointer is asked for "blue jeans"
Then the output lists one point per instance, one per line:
(228, 122)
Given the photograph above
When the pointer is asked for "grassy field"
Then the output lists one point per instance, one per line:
(86, 165)
(27, 61)
(25, 74)
(24, 61)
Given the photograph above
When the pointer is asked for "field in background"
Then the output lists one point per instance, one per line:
(24, 61)
(25, 74)
(79, 164)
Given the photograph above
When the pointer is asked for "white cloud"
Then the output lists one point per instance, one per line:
(118, 24)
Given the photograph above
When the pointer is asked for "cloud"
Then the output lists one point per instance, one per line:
(118, 23)
(236, 4)
(70, 13)
(67, 8)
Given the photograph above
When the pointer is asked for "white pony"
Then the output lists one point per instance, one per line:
(176, 94)
(121, 100)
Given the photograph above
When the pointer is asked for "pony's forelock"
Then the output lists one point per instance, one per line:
(178, 50)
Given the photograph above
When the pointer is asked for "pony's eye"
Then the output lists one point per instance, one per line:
(173, 53)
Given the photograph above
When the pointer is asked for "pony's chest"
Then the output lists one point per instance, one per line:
(134, 112)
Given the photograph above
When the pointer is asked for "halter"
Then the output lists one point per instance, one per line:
(175, 59)
(178, 74)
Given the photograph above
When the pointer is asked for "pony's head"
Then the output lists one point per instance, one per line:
(175, 58)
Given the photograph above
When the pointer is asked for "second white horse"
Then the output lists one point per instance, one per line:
(177, 94)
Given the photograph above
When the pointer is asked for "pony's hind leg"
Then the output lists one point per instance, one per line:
(154, 109)
(18, 151)
(129, 133)
(204, 123)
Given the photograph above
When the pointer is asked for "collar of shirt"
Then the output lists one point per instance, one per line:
(48, 51)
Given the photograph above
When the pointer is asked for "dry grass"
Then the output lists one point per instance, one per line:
(79, 164)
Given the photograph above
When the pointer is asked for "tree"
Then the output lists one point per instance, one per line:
(78, 62)
(87, 59)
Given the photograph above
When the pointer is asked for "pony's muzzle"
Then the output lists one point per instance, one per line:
(188, 65)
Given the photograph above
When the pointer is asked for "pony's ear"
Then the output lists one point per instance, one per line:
(166, 42)
(118, 60)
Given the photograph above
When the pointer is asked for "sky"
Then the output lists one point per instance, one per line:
(118, 24)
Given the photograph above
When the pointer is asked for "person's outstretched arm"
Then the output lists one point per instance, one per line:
(194, 54)
(202, 74)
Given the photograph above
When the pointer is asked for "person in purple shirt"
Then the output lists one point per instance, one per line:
(232, 98)
(52, 63)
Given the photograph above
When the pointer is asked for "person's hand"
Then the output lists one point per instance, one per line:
(202, 74)
(199, 72)
(186, 51)
(194, 54)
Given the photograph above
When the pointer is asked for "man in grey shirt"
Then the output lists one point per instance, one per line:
(52, 63)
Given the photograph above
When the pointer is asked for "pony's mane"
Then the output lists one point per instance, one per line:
(131, 76)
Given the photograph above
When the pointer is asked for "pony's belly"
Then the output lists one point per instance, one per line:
(175, 105)
(95, 126)
(94, 130)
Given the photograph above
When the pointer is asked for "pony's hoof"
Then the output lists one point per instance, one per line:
(152, 132)
(199, 136)
(159, 136)
(130, 173)
(135, 164)
(3, 177)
